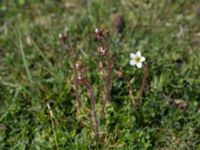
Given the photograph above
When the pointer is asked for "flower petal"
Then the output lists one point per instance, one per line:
(142, 59)
(139, 65)
(132, 55)
(132, 62)
(138, 53)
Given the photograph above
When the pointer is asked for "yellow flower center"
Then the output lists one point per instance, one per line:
(138, 59)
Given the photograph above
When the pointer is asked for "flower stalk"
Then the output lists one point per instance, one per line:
(144, 81)
(73, 52)
(138, 60)
(106, 66)
(83, 79)
(137, 100)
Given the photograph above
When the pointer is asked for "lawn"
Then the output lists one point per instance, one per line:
(67, 83)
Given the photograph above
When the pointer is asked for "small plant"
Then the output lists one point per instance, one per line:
(138, 60)
(89, 92)
(80, 78)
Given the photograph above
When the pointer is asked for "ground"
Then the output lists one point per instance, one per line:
(38, 108)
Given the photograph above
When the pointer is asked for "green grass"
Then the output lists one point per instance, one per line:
(35, 70)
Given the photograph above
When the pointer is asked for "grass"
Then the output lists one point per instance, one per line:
(37, 102)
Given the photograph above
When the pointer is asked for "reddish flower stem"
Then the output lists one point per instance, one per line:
(72, 51)
(108, 77)
(94, 114)
(143, 85)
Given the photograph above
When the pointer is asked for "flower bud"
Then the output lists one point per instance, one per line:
(62, 38)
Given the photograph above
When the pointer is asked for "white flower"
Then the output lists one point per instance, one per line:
(137, 59)
(97, 30)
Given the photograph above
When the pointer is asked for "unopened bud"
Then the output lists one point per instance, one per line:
(62, 38)
(99, 31)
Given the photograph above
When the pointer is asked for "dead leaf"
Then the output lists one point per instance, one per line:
(180, 103)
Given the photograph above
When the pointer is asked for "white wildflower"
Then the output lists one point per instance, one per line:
(137, 59)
